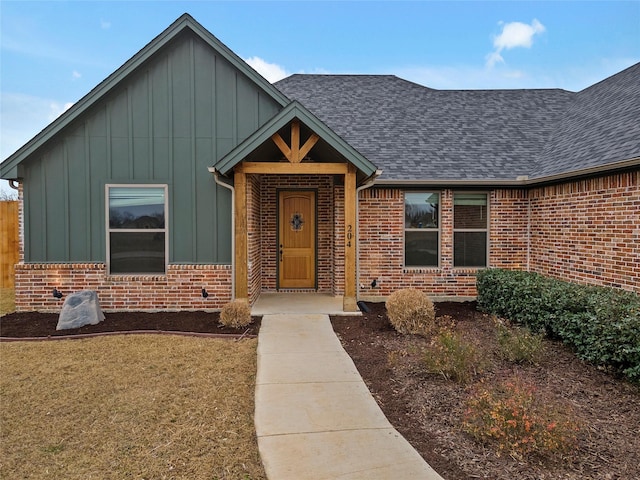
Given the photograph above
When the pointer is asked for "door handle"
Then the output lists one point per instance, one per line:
(280, 252)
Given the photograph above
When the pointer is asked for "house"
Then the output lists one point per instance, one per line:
(186, 172)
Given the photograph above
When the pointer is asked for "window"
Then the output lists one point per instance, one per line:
(421, 229)
(470, 229)
(137, 233)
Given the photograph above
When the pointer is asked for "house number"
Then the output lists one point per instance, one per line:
(349, 235)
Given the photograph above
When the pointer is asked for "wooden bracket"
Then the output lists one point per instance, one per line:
(295, 153)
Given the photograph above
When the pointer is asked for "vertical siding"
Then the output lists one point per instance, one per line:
(166, 123)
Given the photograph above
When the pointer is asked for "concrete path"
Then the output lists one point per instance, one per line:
(315, 418)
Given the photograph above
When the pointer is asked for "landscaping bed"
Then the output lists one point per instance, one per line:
(428, 409)
(33, 324)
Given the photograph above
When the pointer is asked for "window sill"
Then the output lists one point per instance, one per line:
(135, 277)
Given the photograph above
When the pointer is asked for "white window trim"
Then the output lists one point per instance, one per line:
(164, 230)
(485, 230)
(405, 229)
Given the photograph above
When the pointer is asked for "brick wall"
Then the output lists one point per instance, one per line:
(588, 231)
(339, 243)
(180, 289)
(509, 229)
(381, 244)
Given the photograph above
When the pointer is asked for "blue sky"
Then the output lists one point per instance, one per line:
(53, 52)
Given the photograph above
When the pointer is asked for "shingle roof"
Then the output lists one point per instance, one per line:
(413, 132)
(601, 126)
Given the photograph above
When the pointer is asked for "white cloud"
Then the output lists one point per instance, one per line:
(75, 75)
(105, 25)
(271, 71)
(513, 35)
(493, 58)
(517, 34)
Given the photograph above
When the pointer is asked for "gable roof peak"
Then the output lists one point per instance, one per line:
(182, 23)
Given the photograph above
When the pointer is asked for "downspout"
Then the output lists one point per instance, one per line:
(14, 185)
(368, 183)
(528, 231)
(216, 177)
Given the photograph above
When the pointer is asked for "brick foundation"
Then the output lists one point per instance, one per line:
(180, 289)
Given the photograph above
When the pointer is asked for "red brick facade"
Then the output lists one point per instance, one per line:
(381, 244)
(179, 289)
(586, 231)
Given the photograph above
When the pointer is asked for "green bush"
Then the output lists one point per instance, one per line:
(411, 311)
(453, 357)
(601, 324)
(519, 344)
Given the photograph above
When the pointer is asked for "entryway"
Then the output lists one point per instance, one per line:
(297, 239)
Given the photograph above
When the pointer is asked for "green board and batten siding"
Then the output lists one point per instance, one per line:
(173, 117)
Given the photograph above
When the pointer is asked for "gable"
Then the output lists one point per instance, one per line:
(156, 51)
(331, 146)
(163, 118)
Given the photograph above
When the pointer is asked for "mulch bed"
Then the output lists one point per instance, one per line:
(427, 409)
(32, 324)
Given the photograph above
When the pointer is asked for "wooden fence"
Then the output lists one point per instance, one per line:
(9, 243)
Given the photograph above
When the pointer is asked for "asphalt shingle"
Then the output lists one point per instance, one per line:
(413, 132)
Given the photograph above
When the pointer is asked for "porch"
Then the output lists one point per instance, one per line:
(295, 209)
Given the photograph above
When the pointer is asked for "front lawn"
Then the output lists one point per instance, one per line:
(144, 406)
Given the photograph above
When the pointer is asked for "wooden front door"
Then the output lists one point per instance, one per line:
(297, 239)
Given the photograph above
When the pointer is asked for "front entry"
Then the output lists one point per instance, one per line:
(296, 239)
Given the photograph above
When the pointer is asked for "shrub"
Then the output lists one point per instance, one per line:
(601, 324)
(235, 314)
(411, 311)
(451, 356)
(519, 344)
(515, 420)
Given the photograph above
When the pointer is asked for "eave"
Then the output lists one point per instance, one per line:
(520, 182)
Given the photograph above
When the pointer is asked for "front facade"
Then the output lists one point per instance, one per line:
(186, 180)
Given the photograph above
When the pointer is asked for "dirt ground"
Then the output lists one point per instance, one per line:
(426, 408)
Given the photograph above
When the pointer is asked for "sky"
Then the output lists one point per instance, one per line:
(52, 53)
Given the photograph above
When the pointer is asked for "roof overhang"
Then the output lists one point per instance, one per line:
(294, 111)
(520, 182)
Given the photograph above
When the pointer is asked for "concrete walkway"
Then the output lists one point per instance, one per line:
(315, 418)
